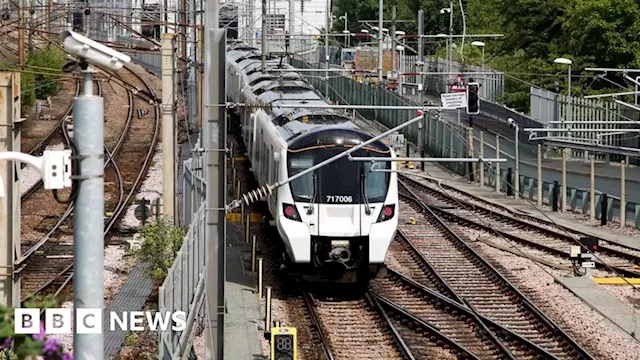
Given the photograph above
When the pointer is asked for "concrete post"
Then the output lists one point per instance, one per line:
(380, 42)
(470, 153)
(497, 163)
(215, 136)
(392, 35)
(168, 132)
(263, 35)
(623, 195)
(292, 21)
(421, 55)
(481, 157)
(88, 222)
(592, 190)
(540, 181)
(563, 208)
(517, 161)
(10, 200)
(326, 50)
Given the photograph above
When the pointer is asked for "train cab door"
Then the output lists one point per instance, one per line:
(339, 196)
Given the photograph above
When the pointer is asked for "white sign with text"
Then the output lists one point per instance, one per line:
(455, 100)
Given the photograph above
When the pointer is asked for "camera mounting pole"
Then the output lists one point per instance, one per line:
(88, 223)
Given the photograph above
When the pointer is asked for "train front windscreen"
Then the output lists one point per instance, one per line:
(340, 182)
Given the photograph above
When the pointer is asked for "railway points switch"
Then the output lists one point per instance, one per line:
(284, 343)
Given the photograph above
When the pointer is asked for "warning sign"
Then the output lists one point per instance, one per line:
(453, 100)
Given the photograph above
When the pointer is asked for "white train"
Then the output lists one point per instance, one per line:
(338, 221)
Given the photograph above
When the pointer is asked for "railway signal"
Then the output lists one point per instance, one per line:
(284, 343)
(473, 99)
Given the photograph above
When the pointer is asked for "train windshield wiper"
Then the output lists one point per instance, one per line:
(313, 195)
(363, 185)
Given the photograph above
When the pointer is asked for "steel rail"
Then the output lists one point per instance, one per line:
(533, 309)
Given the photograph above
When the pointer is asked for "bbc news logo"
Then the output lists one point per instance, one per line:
(90, 321)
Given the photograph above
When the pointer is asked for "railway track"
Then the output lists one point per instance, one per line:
(366, 328)
(39, 148)
(118, 192)
(456, 269)
(527, 232)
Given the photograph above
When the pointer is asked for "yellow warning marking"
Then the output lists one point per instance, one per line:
(236, 217)
(240, 158)
(616, 281)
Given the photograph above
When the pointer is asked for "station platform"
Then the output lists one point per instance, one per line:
(604, 302)
(241, 340)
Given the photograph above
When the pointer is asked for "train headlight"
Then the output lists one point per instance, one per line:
(387, 213)
(290, 212)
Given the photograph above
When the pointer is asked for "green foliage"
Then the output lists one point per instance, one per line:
(49, 58)
(592, 33)
(22, 346)
(161, 242)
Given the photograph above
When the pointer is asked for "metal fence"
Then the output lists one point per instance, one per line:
(492, 84)
(445, 139)
(183, 288)
(549, 107)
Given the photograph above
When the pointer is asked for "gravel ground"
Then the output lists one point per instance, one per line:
(150, 189)
(599, 336)
(33, 130)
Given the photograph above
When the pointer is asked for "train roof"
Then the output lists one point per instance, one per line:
(288, 87)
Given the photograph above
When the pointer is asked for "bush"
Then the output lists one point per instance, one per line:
(161, 242)
(49, 58)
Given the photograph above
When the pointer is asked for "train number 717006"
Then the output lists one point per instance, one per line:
(339, 199)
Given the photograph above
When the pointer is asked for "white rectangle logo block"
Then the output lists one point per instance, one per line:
(89, 321)
(58, 321)
(26, 321)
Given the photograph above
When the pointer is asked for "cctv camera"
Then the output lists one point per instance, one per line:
(511, 122)
(419, 63)
(93, 52)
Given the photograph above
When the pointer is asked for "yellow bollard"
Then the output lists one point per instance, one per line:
(247, 228)
(260, 278)
(253, 254)
(267, 317)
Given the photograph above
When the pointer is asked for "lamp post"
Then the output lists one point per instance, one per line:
(480, 44)
(514, 124)
(400, 50)
(450, 39)
(568, 62)
(345, 17)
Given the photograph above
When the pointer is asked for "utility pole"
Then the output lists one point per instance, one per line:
(193, 66)
(421, 54)
(326, 50)
(183, 29)
(10, 197)
(21, 34)
(380, 35)
(88, 222)
(393, 41)
(263, 35)
(292, 18)
(48, 17)
(450, 35)
(216, 133)
(168, 148)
